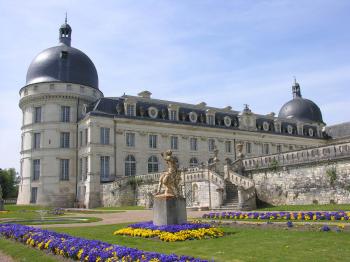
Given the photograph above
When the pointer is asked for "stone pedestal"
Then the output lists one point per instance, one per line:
(169, 210)
(1, 204)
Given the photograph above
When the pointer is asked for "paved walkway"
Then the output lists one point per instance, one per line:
(128, 216)
(5, 258)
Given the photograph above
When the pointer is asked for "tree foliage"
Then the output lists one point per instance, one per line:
(8, 183)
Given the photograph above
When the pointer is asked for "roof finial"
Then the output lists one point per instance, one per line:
(65, 20)
(295, 80)
(296, 89)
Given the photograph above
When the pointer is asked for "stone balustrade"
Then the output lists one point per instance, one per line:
(298, 157)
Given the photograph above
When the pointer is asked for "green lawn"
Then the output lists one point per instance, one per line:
(24, 253)
(328, 207)
(240, 244)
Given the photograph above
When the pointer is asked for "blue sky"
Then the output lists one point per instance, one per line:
(221, 52)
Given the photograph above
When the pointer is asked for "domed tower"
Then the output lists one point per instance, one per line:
(300, 108)
(61, 81)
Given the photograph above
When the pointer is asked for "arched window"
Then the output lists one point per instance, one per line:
(130, 165)
(152, 164)
(193, 162)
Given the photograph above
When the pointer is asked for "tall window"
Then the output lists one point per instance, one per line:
(173, 115)
(174, 142)
(64, 140)
(152, 141)
(193, 144)
(80, 169)
(86, 131)
(130, 139)
(104, 135)
(36, 169)
(228, 147)
(152, 164)
(104, 167)
(37, 114)
(86, 169)
(65, 114)
(193, 162)
(36, 142)
(64, 169)
(33, 195)
(211, 145)
(130, 110)
(130, 166)
(266, 149)
(248, 147)
(80, 138)
(279, 148)
(210, 120)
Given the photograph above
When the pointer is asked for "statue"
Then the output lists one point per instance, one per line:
(237, 165)
(170, 179)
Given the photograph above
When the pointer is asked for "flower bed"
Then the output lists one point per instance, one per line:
(83, 249)
(313, 216)
(171, 233)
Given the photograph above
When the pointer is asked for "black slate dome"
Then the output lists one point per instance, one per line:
(300, 108)
(63, 63)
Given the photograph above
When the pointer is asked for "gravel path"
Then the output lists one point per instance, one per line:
(122, 217)
(5, 258)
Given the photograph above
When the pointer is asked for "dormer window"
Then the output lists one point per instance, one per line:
(172, 115)
(130, 110)
(173, 112)
(210, 116)
(210, 120)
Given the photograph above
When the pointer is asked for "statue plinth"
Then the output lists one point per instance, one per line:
(169, 210)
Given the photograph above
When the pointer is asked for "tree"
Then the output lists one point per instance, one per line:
(8, 183)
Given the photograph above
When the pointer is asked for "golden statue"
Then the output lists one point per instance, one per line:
(170, 179)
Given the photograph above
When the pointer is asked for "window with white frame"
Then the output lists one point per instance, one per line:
(64, 169)
(86, 169)
(228, 147)
(130, 110)
(36, 169)
(36, 140)
(33, 195)
(37, 114)
(130, 139)
(248, 148)
(65, 139)
(193, 144)
(193, 162)
(104, 135)
(279, 148)
(130, 166)
(86, 131)
(152, 139)
(80, 138)
(266, 149)
(152, 164)
(211, 144)
(174, 142)
(104, 167)
(211, 120)
(65, 114)
(173, 115)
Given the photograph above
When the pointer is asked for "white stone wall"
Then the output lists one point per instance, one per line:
(305, 184)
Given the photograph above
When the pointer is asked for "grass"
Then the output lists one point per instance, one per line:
(240, 244)
(23, 253)
(328, 207)
(120, 208)
(23, 212)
